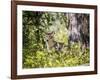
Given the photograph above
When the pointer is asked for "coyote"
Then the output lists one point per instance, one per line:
(51, 43)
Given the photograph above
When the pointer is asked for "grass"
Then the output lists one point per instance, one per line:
(66, 58)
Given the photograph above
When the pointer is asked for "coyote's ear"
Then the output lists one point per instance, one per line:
(52, 33)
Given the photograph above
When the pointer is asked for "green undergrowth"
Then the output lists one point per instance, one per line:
(69, 57)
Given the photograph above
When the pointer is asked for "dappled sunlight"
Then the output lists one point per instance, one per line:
(52, 39)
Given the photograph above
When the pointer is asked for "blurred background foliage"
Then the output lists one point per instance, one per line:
(35, 54)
